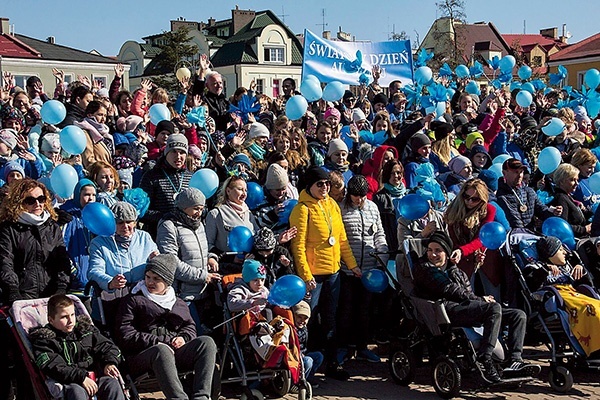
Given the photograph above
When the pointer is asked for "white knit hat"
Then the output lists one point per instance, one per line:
(258, 130)
(358, 115)
(277, 177)
(336, 145)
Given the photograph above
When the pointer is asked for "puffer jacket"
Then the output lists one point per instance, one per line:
(141, 323)
(190, 246)
(450, 285)
(313, 254)
(34, 261)
(365, 234)
(67, 357)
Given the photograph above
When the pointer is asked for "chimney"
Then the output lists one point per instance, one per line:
(51, 39)
(5, 26)
(211, 21)
(327, 35)
(240, 18)
(551, 33)
(564, 38)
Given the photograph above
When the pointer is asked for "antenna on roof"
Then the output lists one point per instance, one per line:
(524, 27)
(283, 15)
(323, 24)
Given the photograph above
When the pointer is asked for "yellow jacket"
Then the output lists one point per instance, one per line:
(313, 255)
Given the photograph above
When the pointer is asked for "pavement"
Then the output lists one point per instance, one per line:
(373, 381)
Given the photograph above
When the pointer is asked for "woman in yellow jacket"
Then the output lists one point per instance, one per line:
(318, 249)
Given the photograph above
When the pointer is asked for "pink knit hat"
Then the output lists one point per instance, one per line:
(332, 111)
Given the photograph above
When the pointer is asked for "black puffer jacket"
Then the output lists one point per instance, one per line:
(34, 261)
(141, 323)
(67, 357)
(450, 285)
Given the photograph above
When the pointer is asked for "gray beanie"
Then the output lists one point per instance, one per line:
(176, 141)
(190, 197)
(164, 265)
(458, 163)
(336, 145)
(124, 211)
(277, 177)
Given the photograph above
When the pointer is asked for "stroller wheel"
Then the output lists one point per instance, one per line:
(305, 393)
(281, 383)
(446, 378)
(402, 366)
(255, 395)
(560, 379)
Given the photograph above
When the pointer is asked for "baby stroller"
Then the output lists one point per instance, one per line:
(430, 337)
(241, 364)
(29, 314)
(546, 311)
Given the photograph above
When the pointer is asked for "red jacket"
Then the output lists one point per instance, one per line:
(372, 168)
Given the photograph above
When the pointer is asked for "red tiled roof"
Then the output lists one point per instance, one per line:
(477, 33)
(13, 47)
(531, 39)
(586, 48)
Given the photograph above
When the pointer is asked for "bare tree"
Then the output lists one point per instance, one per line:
(400, 36)
(454, 9)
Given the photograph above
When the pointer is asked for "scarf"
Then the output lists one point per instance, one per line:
(5, 159)
(123, 241)
(395, 191)
(102, 129)
(257, 152)
(186, 220)
(166, 301)
(32, 219)
(240, 209)
(337, 167)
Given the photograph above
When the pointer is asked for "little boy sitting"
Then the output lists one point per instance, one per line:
(69, 348)
(311, 360)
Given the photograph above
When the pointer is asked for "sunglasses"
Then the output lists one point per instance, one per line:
(30, 201)
(320, 184)
(474, 199)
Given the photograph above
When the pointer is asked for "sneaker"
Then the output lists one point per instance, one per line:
(367, 355)
(488, 370)
(294, 389)
(522, 368)
(342, 355)
(337, 372)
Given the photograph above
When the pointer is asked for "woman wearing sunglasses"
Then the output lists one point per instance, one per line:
(465, 216)
(33, 259)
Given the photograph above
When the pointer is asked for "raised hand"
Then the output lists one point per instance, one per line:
(119, 70)
(185, 84)
(146, 84)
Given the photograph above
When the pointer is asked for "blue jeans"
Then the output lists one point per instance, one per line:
(325, 299)
(312, 361)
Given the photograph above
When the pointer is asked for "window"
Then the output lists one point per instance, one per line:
(260, 86)
(536, 61)
(21, 80)
(274, 55)
(102, 79)
(68, 78)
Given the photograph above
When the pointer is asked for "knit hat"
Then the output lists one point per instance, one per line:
(442, 238)
(13, 166)
(241, 158)
(258, 130)
(380, 98)
(528, 122)
(547, 247)
(264, 239)
(302, 308)
(336, 145)
(80, 185)
(358, 186)
(252, 269)
(458, 163)
(163, 265)
(478, 149)
(124, 212)
(277, 177)
(190, 197)
(194, 151)
(176, 141)
(489, 178)
(441, 129)
(102, 93)
(314, 175)
(471, 137)
(332, 111)
(358, 115)
(50, 143)
(165, 125)
(9, 138)
(132, 122)
(419, 140)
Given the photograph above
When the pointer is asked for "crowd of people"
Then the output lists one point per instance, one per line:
(171, 242)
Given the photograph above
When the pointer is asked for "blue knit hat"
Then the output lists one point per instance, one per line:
(489, 178)
(240, 158)
(252, 269)
(13, 166)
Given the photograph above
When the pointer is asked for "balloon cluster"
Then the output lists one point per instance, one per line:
(311, 90)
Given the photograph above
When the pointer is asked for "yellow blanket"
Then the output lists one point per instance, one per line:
(584, 317)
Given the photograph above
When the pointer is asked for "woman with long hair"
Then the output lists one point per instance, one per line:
(392, 190)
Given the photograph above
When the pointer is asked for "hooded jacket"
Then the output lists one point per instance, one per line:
(67, 357)
(313, 254)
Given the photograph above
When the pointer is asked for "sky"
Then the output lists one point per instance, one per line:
(106, 24)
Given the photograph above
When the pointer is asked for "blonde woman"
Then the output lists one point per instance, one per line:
(566, 180)
(442, 149)
(585, 161)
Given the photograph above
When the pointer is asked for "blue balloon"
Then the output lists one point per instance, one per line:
(461, 71)
(423, 75)
(288, 206)
(344, 132)
(524, 72)
(500, 159)
(553, 127)
(592, 107)
(256, 195)
(159, 112)
(594, 183)
(295, 107)
(311, 77)
(53, 112)
(73, 139)
(558, 227)
(375, 280)
(311, 90)
(450, 93)
(334, 91)
(528, 86)
(549, 159)
(515, 85)
(496, 168)
(592, 78)
(413, 206)
(507, 63)
(524, 98)
(472, 88)
(205, 180)
(63, 180)
(440, 109)
(98, 218)
(240, 240)
(287, 291)
(492, 235)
